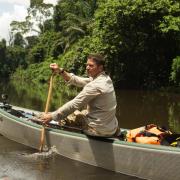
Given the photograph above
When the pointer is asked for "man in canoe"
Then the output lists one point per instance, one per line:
(98, 96)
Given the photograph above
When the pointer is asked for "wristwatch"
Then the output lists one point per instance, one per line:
(61, 70)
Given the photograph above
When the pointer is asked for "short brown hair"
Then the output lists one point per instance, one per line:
(97, 58)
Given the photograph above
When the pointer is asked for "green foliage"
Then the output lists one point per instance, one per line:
(2, 51)
(171, 20)
(35, 3)
(10, 58)
(75, 58)
(15, 57)
(72, 19)
(49, 44)
(173, 116)
(175, 73)
(31, 41)
(38, 72)
(36, 54)
(139, 38)
(138, 48)
(18, 40)
(3, 70)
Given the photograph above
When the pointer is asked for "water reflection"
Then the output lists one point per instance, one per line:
(135, 108)
(29, 95)
(174, 116)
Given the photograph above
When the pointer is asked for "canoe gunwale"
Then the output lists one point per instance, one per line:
(80, 135)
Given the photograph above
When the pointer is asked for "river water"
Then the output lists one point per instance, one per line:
(134, 109)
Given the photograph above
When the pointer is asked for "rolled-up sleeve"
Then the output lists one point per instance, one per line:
(88, 93)
(78, 81)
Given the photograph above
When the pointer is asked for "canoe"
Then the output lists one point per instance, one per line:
(139, 160)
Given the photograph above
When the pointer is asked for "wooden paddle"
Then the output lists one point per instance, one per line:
(46, 111)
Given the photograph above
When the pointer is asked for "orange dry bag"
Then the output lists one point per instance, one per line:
(150, 134)
(148, 140)
(131, 134)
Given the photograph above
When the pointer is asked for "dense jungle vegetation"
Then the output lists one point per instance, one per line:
(139, 38)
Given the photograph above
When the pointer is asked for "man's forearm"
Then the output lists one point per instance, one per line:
(66, 76)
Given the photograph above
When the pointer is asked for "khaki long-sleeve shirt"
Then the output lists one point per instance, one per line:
(99, 96)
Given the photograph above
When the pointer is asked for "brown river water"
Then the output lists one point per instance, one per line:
(135, 108)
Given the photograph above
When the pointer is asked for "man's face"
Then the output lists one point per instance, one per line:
(92, 68)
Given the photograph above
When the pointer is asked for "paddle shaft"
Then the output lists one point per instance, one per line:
(46, 111)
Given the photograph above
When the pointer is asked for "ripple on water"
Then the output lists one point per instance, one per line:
(42, 155)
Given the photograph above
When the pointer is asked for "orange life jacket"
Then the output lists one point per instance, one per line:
(150, 134)
(131, 134)
(148, 140)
